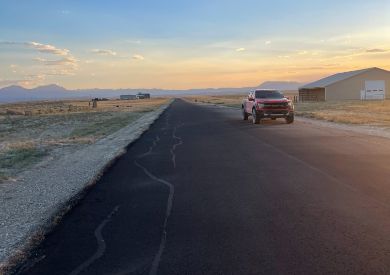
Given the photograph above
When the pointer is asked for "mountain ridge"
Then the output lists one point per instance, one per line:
(15, 93)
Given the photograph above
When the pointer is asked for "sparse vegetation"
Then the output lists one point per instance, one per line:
(101, 128)
(31, 131)
(373, 113)
(227, 100)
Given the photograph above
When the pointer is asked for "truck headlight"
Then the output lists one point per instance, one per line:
(290, 104)
(260, 105)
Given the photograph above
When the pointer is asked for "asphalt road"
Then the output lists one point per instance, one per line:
(203, 192)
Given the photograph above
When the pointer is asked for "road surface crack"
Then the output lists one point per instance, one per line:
(157, 257)
(100, 241)
(180, 142)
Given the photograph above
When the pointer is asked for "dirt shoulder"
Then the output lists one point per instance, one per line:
(33, 201)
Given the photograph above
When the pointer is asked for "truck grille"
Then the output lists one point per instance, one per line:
(276, 112)
(276, 105)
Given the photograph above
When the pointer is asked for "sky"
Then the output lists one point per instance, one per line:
(180, 44)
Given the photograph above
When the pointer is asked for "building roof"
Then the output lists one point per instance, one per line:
(327, 81)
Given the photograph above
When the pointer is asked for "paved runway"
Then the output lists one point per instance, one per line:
(204, 192)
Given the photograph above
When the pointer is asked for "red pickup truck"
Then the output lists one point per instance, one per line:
(271, 104)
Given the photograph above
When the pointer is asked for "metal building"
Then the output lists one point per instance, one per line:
(366, 84)
(128, 97)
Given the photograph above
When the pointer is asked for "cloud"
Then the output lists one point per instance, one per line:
(27, 80)
(268, 42)
(240, 50)
(60, 72)
(8, 82)
(65, 64)
(43, 48)
(68, 61)
(376, 51)
(46, 48)
(104, 52)
(138, 57)
(13, 68)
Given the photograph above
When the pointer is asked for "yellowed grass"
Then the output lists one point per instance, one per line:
(374, 113)
(227, 100)
(77, 106)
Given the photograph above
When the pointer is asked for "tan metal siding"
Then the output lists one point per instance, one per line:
(349, 89)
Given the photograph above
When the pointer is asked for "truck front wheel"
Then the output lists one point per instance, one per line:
(255, 117)
(290, 119)
(244, 113)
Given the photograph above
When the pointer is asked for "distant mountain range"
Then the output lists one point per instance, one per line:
(281, 85)
(55, 92)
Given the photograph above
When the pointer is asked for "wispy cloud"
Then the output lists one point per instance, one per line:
(27, 80)
(377, 50)
(138, 57)
(66, 61)
(43, 48)
(46, 48)
(13, 68)
(240, 50)
(104, 52)
(268, 42)
(65, 64)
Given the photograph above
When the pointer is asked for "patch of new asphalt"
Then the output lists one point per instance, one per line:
(203, 192)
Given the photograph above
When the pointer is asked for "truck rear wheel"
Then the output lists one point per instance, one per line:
(244, 114)
(255, 117)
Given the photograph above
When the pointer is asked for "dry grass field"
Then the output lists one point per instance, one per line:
(31, 131)
(372, 113)
(226, 100)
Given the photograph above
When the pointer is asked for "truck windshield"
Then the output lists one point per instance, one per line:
(269, 94)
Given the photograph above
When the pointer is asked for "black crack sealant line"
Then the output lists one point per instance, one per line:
(100, 241)
(157, 257)
(180, 142)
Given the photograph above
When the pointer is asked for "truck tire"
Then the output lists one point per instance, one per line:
(244, 114)
(290, 119)
(255, 117)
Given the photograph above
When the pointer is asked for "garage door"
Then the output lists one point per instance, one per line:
(375, 89)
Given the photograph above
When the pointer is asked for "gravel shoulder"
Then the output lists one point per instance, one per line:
(32, 204)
